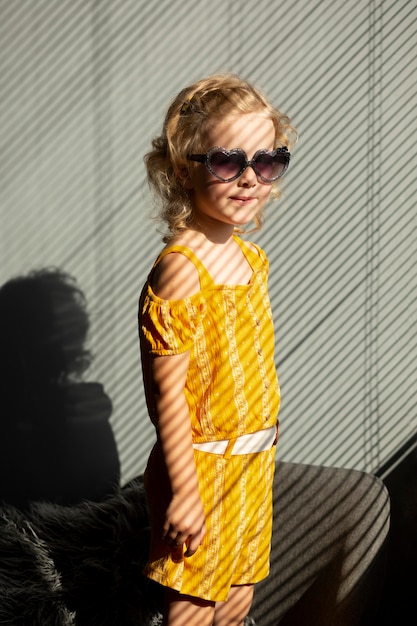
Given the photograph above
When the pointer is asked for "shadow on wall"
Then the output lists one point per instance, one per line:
(56, 441)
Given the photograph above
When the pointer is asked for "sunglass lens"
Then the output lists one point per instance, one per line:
(271, 166)
(225, 165)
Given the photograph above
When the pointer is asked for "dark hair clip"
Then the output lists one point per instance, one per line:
(185, 107)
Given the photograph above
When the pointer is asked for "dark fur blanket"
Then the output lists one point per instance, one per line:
(77, 566)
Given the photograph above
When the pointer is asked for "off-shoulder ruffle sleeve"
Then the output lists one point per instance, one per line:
(169, 326)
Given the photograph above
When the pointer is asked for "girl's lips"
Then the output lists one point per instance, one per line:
(243, 199)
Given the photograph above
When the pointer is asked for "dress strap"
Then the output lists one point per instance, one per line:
(252, 252)
(206, 280)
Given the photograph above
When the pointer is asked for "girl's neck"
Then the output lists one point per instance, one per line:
(218, 234)
(197, 239)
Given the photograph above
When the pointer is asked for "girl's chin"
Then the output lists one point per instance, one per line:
(242, 218)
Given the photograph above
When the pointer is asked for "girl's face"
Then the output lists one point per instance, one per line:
(236, 202)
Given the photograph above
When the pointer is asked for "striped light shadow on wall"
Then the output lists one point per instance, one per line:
(84, 89)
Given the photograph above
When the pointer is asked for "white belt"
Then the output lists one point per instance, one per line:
(245, 444)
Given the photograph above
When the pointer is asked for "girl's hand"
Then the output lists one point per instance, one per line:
(185, 522)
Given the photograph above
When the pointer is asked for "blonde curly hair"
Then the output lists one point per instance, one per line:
(189, 119)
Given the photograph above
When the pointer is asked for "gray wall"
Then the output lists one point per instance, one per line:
(84, 86)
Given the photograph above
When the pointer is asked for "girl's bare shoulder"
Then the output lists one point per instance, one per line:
(175, 277)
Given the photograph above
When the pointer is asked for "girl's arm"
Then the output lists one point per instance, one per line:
(174, 278)
(184, 519)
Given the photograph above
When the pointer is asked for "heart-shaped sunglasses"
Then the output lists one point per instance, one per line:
(227, 165)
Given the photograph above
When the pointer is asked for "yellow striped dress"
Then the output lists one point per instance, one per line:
(231, 389)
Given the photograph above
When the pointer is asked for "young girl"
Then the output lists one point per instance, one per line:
(207, 349)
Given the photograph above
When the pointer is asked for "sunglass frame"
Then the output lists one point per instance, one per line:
(206, 160)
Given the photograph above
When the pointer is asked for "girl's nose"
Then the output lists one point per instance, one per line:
(248, 178)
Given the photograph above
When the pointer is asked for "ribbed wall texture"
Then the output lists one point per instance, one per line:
(84, 86)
